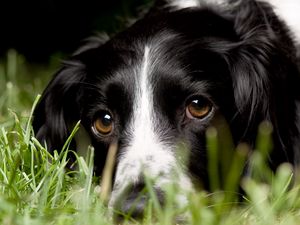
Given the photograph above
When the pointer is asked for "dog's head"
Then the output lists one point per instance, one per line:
(156, 88)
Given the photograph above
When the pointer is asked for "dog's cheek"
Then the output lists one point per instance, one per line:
(196, 163)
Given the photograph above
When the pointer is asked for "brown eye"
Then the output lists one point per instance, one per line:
(103, 125)
(198, 108)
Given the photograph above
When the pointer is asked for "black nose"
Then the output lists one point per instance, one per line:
(134, 201)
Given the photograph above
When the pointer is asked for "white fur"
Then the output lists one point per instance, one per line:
(146, 153)
(182, 4)
(289, 11)
(145, 143)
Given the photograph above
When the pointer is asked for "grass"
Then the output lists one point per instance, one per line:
(37, 188)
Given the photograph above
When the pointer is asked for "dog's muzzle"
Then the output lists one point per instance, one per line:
(141, 178)
(134, 200)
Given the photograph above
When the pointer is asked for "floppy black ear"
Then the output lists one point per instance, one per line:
(58, 109)
(262, 61)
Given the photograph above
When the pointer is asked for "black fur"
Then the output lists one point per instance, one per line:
(243, 55)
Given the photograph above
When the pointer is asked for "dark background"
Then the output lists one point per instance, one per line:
(38, 29)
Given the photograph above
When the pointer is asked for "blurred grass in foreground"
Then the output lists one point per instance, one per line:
(36, 187)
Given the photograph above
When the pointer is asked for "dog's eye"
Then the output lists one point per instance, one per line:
(104, 123)
(198, 108)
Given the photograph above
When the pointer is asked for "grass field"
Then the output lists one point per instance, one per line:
(36, 187)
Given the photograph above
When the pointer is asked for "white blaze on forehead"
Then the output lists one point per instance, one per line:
(145, 150)
(145, 153)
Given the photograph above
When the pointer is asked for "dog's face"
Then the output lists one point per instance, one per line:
(156, 88)
(155, 103)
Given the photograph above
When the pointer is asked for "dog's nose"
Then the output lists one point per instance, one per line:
(134, 202)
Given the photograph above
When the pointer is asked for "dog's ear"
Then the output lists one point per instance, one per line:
(254, 61)
(92, 42)
(58, 110)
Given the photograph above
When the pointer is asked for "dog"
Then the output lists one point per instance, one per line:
(162, 82)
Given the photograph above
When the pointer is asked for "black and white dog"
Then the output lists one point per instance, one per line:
(162, 82)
